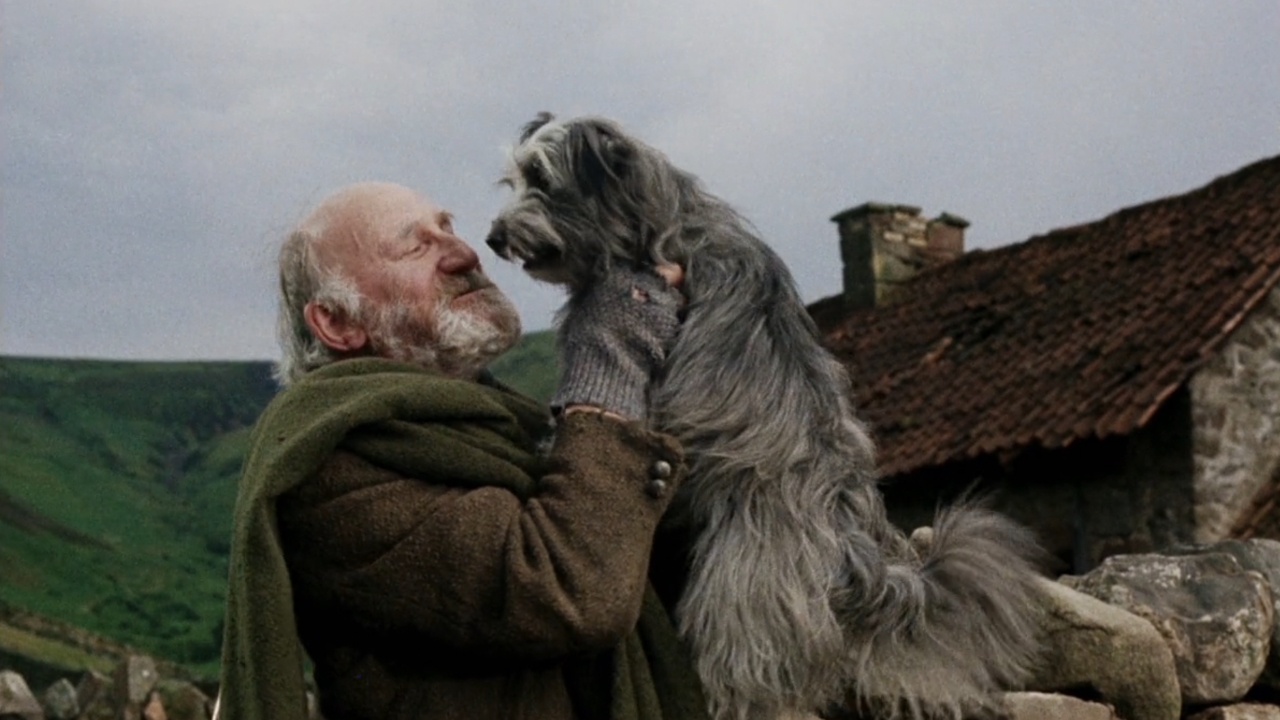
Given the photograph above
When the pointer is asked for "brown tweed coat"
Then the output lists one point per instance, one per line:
(422, 597)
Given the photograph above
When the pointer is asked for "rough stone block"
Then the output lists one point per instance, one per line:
(135, 677)
(1262, 556)
(184, 701)
(1215, 617)
(1050, 706)
(60, 702)
(95, 695)
(16, 699)
(1089, 643)
(1242, 711)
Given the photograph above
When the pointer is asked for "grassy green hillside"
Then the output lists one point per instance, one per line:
(530, 366)
(117, 482)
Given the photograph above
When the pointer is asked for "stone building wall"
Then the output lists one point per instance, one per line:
(1189, 475)
(1088, 501)
(1236, 411)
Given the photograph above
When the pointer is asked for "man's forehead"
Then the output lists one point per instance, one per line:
(361, 217)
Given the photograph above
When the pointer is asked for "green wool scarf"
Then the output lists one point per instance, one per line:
(411, 420)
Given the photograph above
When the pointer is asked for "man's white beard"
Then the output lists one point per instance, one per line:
(458, 343)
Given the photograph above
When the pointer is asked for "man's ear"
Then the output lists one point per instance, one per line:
(334, 328)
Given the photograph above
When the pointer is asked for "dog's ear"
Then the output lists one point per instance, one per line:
(532, 126)
(601, 156)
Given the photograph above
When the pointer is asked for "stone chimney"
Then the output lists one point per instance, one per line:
(884, 246)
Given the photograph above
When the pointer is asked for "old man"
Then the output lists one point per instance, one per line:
(417, 530)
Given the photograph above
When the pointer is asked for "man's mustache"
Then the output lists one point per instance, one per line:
(469, 282)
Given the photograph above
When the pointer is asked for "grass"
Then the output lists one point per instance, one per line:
(97, 526)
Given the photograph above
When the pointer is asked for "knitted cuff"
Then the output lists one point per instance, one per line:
(603, 381)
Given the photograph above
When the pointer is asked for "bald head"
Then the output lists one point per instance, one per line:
(348, 226)
(350, 215)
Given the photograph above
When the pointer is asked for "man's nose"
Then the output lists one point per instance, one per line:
(458, 257)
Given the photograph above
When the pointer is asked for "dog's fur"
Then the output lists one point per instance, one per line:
(801, 595)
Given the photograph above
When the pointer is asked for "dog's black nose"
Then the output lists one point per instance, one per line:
(497, 239)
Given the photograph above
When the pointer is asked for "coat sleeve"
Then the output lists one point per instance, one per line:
(482, 571)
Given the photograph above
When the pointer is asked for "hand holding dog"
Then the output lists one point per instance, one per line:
(613, 338)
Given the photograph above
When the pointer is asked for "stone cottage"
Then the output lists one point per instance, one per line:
(1115, 384)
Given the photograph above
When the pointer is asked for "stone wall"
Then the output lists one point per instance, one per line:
(1188, 634)
(1236, 411)
(135, 690)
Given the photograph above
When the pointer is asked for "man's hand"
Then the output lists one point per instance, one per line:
(614, 337)
(672, 273)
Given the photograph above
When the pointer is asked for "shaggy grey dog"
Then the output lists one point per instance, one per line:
(801, 595)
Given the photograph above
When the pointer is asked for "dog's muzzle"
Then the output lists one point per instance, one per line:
(508, 246)
(497, 240)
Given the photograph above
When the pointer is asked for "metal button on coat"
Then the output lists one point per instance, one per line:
(656, 488)
(661, 470)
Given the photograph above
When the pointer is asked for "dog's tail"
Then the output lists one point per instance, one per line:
(940, 637)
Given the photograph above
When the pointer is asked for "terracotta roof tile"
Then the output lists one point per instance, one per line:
(1082, 331)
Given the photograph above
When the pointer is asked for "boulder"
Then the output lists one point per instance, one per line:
(1051, 706)
(1117, 654)
(134, 678)
(1262, 556)
(132, 682)
(16, 699)
(183, 700)
(1214, 616)
(95, 696)
(60, 702)
(1242, 711)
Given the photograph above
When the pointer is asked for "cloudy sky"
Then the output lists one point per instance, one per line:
(152, 151)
